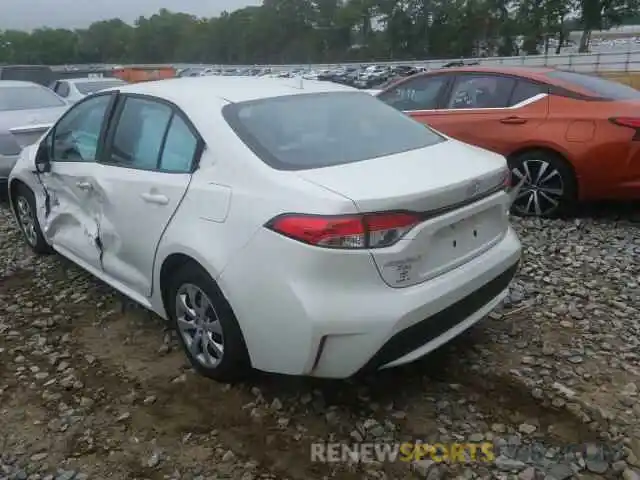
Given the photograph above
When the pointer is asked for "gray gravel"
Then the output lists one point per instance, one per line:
(90, 391)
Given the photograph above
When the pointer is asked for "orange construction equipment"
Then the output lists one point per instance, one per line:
(136, 74)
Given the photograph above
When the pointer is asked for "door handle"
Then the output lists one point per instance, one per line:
(155, 198)
(513, 120)
(84, 185)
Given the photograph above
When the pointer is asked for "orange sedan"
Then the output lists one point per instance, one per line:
(570, 136)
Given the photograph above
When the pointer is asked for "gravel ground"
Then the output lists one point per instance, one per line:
(89, 389)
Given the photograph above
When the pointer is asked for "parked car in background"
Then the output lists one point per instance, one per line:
(75, 89)
(191, 72)
(404, 70)
(27, 111)
(570, 137)
(372, 76)
(223, 205)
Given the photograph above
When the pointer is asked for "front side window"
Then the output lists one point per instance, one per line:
(137, 141)
(29, 97)
(76, 136)
(481, 91)
(420, 93)
(313, 130)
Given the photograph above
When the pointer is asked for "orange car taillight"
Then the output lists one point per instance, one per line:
(629, 122)
(371, 230)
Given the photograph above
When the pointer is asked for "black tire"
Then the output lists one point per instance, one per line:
(234, 364)
(563, 180)
(36, 240)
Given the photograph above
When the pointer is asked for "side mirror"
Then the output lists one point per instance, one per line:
(42, 160)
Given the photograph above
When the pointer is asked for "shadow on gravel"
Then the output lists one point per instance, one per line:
(443, 374)
(609, 210)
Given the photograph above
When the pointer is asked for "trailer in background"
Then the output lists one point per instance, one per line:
(135, 74)
(41, 74)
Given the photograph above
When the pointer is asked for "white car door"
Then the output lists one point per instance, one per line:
(71, 224)
(150, 154)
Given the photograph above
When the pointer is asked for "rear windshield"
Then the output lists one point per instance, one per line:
(299, 132)
(90, 87)
(27, 98)
(599, 86)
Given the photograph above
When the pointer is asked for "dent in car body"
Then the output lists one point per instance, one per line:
(74, 218)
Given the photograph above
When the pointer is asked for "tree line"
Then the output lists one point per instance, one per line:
(323, 31)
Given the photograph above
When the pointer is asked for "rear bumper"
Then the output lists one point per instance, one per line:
(339, 318)
(419, 339)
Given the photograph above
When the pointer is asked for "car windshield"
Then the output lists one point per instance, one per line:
(28, 98)
(89, 87)
(299, 132)
(599, 86)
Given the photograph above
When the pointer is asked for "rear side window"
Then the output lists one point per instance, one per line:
(299, 132)
(525, 90)
(600, 87)
(137, 141)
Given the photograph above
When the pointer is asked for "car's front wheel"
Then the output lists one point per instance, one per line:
(206, 325)
(548, 184)
(24, 204)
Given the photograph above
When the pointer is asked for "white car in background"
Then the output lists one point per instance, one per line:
(308, 231)
(75, 89)
(27, 111)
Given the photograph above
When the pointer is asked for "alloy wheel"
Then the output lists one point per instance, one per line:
(542, 188)
(199, 325)
(27, 220)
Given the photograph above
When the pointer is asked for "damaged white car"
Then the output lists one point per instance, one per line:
(306, 230)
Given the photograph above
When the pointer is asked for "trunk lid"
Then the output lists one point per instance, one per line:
(420, 180)
(457, 187)
(27, 126)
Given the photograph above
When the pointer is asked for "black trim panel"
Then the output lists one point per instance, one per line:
(417, 335)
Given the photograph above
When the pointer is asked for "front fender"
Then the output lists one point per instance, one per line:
(24, 172)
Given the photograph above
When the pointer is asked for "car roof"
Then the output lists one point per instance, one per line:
(539, 74)
(230, 89)
(89, 79)
(530, 72)
(18, 83)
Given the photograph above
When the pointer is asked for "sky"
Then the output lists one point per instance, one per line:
(30, 14)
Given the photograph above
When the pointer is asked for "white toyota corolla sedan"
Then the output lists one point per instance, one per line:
(305, 229)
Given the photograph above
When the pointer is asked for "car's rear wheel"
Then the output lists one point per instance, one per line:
(206, 325)
(24, 203)
(549, 186)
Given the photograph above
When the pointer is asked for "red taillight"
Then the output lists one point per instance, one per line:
(372, 230)
(631, 122)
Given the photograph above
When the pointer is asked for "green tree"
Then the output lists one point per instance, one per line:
(300, 31)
